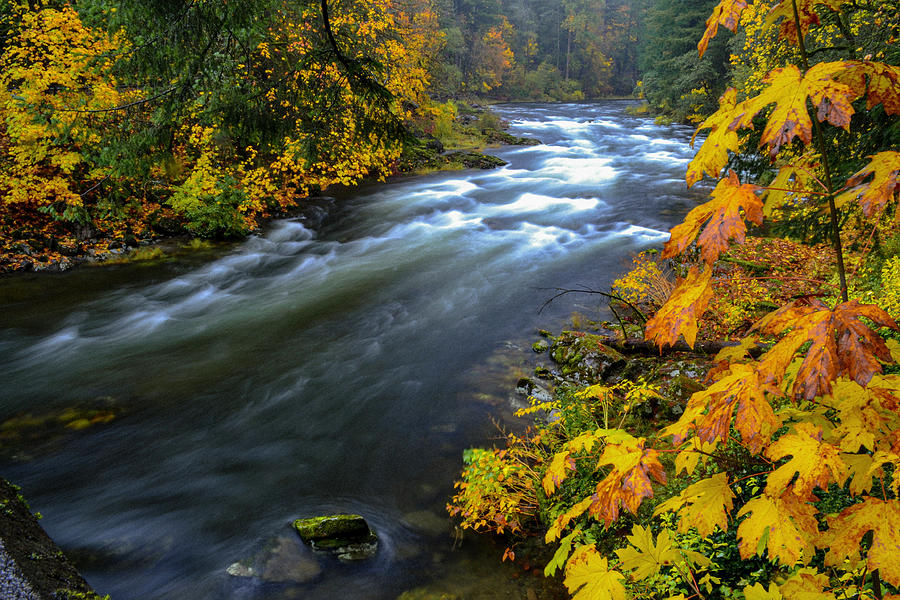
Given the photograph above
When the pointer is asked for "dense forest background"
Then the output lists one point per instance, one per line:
(122, 121)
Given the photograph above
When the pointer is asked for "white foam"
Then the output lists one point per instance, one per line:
(580, 170)
(531, 203)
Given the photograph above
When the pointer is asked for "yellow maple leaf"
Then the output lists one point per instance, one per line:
(758, 592)
(815, 462)
(881, 82)
(731, 203)
(644, 557)
(681, 312)
(704, 505)
(845, 533)
(712, 156)
(786, 524)
(789, 89)
(727, 13)
(874, 195)
(588, 576)
(861, 472)
(557, 471)
(563, 520)
(806, 584)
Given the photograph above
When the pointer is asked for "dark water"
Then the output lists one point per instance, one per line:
(302, 373)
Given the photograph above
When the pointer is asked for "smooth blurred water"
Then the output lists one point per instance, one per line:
(300, 373)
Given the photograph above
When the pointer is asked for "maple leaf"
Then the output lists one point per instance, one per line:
(861, 471)
(709, 411)
(628, 483)
(758, 592)
(845, 533)
(874, 195)
(727, 13)
(815, 462)
(688, 459)
(842, 345)
(786, 524)
(793, 180)
(563, 520)
(557, 471)
(789, 89)
(805, 9)
(588, 576)
(806, 584)
(681, 312)
(643, 556)
(722, 216)
(881, 82)
(712, 156)
(867, 415)
(704, 505)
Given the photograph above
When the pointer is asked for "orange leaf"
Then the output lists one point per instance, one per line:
(805, 9)
(727, 14)
(628, 483)
(680, 313)
(786, 523)
(709, 411)
(722, 216)
(882, 87)
(842, 345)
(816, 463)
(873, 196)
(845, 533)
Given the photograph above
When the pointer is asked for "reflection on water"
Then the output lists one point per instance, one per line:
(302, 373)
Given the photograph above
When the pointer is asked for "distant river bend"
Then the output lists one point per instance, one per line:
(301, 373)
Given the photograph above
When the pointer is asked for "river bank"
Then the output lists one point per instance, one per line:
(475, 130)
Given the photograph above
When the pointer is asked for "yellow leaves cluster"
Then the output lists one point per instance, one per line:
(52, 73)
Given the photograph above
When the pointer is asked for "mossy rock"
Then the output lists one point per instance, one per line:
(583, 357)
(332, 526)
(346, 536)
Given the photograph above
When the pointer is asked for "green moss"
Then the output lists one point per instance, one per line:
(332, 526)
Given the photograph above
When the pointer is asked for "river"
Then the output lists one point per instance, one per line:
(300, 373)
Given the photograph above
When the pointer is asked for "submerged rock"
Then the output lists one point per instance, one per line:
(348, 537)
(282, 561)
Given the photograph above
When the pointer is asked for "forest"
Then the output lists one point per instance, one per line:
(756, 458)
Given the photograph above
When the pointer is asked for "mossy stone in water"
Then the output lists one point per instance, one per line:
(332, 526)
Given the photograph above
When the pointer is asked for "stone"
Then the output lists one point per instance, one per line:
(540, 346)
(282, 561)
(32, 567)
(348, 537)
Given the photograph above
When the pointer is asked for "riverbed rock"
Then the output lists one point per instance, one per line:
(282, 561)
(32, 567)
(474, 160)
(347, 537)
(583, 358)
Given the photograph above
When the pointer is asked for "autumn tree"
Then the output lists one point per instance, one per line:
(796, 449)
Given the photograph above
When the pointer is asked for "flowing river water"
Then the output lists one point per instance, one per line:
(345, 370)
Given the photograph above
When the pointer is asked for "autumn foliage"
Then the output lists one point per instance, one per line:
(792, 446)
(99, 142)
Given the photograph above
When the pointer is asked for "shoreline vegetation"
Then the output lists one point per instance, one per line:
(464, 143)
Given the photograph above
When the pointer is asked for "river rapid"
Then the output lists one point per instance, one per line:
(345, 370)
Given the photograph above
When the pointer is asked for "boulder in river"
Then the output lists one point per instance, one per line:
(282, 561)
(348, 537)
